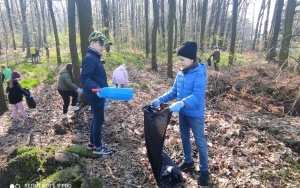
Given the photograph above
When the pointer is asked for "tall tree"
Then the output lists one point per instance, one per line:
(266, 25)
(217, 22)
(105, 20)
(57, 44)
(72, 41)
(259, 18)
(147, 27)
(162, 22)
(38, 16)
(84, 9)
(172, 6)
(235, 5)
(287, 32)
(154, 34)
(25, 28)
(203, 25)
(3, 106)
(183, 21)
(223, 23)
(42, 5)
(271, 52)
(10, 23)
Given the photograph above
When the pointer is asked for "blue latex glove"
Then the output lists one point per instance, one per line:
(106, 102)
(155, 102)
(99, 94)
(79, 90)
(176, 106)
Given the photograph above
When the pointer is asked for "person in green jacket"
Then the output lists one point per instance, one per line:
(6, 73)
(67, 88)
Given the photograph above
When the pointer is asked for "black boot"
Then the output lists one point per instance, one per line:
(203, 178)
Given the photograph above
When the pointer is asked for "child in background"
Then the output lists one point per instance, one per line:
(66, 88)
(15, 96)
(120, 77)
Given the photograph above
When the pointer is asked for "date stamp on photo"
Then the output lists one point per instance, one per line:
(37, 185)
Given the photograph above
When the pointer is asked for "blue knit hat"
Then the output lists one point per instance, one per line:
(188, 50)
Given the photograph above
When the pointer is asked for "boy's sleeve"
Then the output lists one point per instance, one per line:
(170, 95)
(88, 67)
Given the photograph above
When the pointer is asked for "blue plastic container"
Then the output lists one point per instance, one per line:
(114, 93)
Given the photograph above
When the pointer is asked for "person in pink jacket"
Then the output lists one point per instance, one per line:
(120, 77)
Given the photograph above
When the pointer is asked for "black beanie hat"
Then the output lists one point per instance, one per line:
(188, 50)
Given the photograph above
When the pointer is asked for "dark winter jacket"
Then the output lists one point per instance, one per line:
(15, 94)
(93, 74)
(216, 55)
(190, 88)
(65, 82)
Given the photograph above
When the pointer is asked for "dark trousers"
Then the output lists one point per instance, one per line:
(97, 108)
(216, 65)
(66, 98)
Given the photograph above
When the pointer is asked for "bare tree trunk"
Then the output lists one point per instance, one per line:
(39, 23)
(154, 34)
(209, 25)
(84, 10)
(114, 17)
(183, 21)
(10, 23)
(105, 20)
(42, 5)
(176, 33)
(162, 21)
(265, 35)
(147, 27)
(256, 34)
(172, 6)
(203, 25)
(217, 22)
(271, 52)
(231, 57)
(3, 106)
(223, 23)
(287, 32)
(25, 28)
(57, 44)
(72, 41)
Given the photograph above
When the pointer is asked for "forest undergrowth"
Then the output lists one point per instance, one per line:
(252, 129)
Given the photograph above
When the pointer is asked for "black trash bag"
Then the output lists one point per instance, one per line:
(165, 171)
(30, 100)
(171, 175)
(209, 61)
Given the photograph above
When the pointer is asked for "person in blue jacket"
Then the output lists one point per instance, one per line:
(189, 91)
(93, 76)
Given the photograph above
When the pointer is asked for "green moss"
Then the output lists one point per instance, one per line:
(96, 182)
(80, 150)
(70, 175)
(24, 167)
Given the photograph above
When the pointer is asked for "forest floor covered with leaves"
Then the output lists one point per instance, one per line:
(253, 141)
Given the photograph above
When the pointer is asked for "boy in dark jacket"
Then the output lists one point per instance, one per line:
(15, 96)
(216, 57)
(93, 75)
(189, 91)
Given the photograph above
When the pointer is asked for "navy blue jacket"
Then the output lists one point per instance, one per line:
(93, 74)
(190, 88)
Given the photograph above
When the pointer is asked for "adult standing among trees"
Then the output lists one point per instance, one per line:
(93, 75)
(216, 57)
